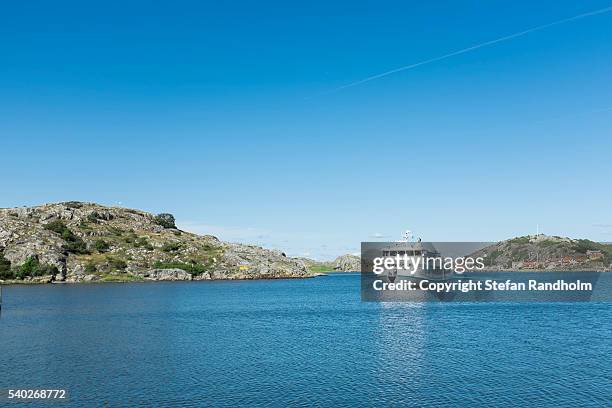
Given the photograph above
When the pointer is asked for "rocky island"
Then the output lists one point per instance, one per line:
(85, 242)
(544, 252)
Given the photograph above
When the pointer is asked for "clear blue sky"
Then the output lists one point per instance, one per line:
(221, 113)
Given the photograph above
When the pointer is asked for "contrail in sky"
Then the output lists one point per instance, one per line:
(472, 48)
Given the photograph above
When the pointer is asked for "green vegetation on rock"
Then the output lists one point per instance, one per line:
(93, 217)
(32, 267)
(583, 245)
(73, 204)
(74, 243)
(90, 268)
(142, 242)
(116, 264)
(5, 268)
(490, 260)
(121, 277)
(519, 240)
(171, 246)
(101, 245)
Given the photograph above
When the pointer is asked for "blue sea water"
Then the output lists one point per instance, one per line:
(299, 343)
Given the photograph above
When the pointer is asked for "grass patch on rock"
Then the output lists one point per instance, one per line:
(320, 268)
(120, 277)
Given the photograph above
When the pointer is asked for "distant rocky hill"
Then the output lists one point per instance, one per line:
(546, 252)
(76, 241)
(343, 263)
(347, 263)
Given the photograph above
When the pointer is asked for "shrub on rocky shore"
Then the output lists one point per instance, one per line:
(32, 267)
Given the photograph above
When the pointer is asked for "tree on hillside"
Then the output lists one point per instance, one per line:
(165, 220)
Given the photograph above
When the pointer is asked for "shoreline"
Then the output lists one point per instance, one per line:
(55, 282)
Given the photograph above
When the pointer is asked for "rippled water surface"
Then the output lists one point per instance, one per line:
(299, 343)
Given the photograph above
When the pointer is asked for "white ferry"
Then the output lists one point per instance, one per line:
(417, 267)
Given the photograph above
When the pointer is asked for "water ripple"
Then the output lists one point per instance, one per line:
(302, 343)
